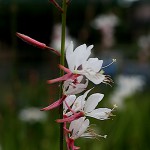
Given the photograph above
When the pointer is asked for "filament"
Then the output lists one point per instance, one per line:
(113, 60)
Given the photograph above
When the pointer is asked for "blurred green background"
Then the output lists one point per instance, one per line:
(118, 29)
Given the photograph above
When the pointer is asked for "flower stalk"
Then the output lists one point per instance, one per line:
(62, 62)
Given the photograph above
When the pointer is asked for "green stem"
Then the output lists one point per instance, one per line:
(62, 62)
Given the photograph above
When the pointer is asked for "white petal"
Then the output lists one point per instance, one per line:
(86, 93)
(83, 128)
(100, 113)
(80, 78)
(78, 104)
(94, 64)
(87, 52)
(69, 100)
(82, 53)
(79, 54)
(95, 78)
(92, 102)
(75, 125)
(70, 56)
(75, 88)
(81, 87)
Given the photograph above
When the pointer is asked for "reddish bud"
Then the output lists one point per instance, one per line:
(31, 41)
(35, 43)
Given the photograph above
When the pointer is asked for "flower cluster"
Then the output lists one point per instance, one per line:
(81, 69)
(76, 110)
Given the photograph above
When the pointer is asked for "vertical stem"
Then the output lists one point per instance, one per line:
(63, 36)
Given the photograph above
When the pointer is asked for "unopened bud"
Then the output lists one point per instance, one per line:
(36, 43)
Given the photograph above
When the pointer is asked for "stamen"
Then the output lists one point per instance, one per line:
(115, 106)
(110, 114)
(93, 134)
(103, 136)
(113, 60)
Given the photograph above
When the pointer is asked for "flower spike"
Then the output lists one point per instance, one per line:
(36, 43)
(82, 69)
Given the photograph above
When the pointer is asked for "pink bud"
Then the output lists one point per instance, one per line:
(35, 43)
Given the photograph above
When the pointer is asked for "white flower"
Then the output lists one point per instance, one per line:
(78, 56)
(79, 63)
(81, 128)
(76, 86)
(76, 104)
(87, 107)
(78, 127)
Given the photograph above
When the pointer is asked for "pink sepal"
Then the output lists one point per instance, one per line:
(71, 118)
(70, 144)
(64, 68)
(63, 78)
(55, 104)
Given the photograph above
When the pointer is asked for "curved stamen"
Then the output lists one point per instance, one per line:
(113, 60)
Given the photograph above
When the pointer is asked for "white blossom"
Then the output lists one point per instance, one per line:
(88, 106)
(78, 127)
(79, 63)
(71, 87)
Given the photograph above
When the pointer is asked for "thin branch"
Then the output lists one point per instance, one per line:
(57, 5)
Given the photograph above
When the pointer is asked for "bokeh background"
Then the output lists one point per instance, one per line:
(118, 29)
